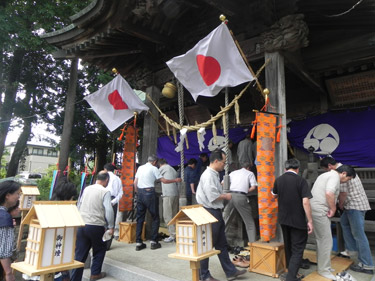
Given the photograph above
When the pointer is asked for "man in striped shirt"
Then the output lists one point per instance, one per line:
(354, 203)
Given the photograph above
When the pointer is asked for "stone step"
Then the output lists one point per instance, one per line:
(118, 271)
(86, 276)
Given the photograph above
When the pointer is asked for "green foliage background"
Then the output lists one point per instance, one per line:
(44, 184)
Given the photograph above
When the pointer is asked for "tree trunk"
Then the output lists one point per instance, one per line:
(7, 108)
(102, 148)
(69, 116)
(19, 148)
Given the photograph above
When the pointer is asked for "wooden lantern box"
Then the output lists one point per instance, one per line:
(267, 258)
(52, 234)
(128, 232)
(193, 231)
(28, 196)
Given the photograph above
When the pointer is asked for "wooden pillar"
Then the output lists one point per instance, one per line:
(150, 126)
(275, 82)
(195, 266)
(150, 139)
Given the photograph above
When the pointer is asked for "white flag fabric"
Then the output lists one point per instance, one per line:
(213, 63)
(115, 103)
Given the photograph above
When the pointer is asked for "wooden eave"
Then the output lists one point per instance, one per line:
(53, 214)
(30, 190)
(196, 213)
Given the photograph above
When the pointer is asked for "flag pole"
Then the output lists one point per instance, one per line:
(224, 20)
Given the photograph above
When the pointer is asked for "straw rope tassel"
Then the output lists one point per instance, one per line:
(167, 128)
(224, 120)
(214, 133)
(174, 134)
(237, 112)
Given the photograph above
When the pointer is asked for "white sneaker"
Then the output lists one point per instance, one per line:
(327, 275)
(345, 253)
(344, 276)
(169, 239)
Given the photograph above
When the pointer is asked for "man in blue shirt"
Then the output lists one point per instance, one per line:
(191, 178)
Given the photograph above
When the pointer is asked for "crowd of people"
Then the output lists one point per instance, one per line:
(303, 210)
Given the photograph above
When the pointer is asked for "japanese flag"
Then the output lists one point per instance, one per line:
(115, 103)
(213, 63)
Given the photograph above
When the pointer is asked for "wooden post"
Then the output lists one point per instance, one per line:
(195, 265)
(20, 230)
(150, 138)
(150, 126)
(275, 82)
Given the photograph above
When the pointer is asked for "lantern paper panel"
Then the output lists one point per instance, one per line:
(48, 247)
(33, 245)
(69, 245)
(204, 242)
(185, 239)
(27, 201)
(58, 246)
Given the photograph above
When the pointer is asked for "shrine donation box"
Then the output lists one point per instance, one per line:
(52, 233)
(267, 258)
(193, 231)
(28, 196)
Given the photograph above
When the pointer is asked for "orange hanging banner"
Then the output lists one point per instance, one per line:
(268, 208)
(128, 169)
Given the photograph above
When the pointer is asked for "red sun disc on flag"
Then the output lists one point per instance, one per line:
(209, 68)
(116, 101)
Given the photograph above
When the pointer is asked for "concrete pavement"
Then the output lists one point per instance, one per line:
(124, 263)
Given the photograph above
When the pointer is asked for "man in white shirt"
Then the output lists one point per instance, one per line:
(115, 187)
(144, 185)
(170, 198)
(323, 206)
(210, 194)
(242, 182)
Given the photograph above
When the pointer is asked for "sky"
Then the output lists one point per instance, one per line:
(39, 132)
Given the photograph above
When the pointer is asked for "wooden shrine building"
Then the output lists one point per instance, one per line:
(320, 54)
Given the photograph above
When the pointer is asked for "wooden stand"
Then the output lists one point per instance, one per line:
(194, 261)
(267, 258)
(128, 232)
(20, 230)
(46, 274)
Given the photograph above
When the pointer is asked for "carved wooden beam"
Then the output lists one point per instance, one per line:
(143, 33)
(229, 8)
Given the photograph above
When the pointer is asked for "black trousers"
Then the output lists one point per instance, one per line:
(89, 236)
(294, 242)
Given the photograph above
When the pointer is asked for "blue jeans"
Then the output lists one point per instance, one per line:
(147, 200)
(219, 242)
(353, 230)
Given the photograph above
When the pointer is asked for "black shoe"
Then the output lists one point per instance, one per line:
(299, 276)
(305, 264)
(141, 247)
(155, 246)
(358, 268)
(236, 274)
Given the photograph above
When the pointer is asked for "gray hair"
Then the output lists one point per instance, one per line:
(152, 158)
(246, 165)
